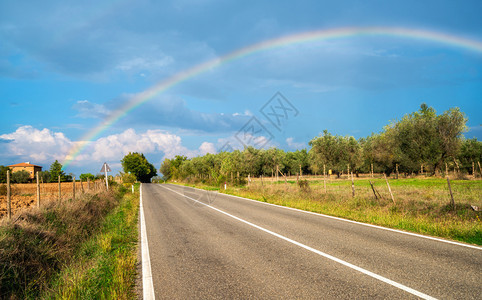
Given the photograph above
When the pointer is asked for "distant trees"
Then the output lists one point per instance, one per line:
(87, 176)
(137, 164)
(420, 138)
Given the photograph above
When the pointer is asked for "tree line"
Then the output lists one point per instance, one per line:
(51, 175)
(421, 141)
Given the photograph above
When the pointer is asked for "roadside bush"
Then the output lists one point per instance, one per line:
(304, 186)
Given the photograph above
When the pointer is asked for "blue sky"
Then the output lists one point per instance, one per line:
(66, 66)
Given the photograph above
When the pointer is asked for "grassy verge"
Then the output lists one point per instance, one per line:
(55, 251)
(421, 205)
(105, 266)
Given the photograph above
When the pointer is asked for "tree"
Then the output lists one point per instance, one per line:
(137, 164)
(20, 176)
(44, 176)
(335, 152)
(3, 174)
(55, 171)
(85, 176)
(165, 169)
(424, 138)
(470, 152)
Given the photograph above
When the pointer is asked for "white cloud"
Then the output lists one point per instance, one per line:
(45, 146)
(36, 145)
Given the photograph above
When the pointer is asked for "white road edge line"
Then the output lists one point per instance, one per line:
(347, 264)
(355, 222)
(147, 284)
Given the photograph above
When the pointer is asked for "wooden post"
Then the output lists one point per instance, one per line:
(352, 185)
(480, 169)
(389, 189)
(9, 197)
(348, 170)
(446, 170)
(261, 179)
(277, 171)
(451, 195)
(249, 178)
(372, 170)
(373, 189)
(421, 168)
(396, 167)
(473, 169)
(81, 186)
(38, 191)
(301, 172)
(324, 177)
(73, 190)
(60, 195)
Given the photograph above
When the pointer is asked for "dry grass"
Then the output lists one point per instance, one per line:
(37, 242)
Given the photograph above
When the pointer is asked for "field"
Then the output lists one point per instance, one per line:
(24, 195)
(419, 204)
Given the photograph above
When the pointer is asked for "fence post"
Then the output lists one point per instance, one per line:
(73, 190)
(389, 189)
(324, 177)
(451, 195)
(396, 167)
(81, 186)
(352, 185)
(473, 169)
(9, 199)
(38, 191)
(373, 189)
(372, 170)
(60, 194)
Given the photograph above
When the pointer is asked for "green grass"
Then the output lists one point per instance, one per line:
(421, 205)
(105, 266)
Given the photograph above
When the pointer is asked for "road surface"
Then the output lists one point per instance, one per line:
(206, 245)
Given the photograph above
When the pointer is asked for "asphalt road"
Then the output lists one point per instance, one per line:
(206, 245)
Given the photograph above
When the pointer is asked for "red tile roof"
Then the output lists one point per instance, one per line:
(24, 165)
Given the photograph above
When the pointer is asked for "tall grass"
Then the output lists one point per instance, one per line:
(105, 268)
(37, 243)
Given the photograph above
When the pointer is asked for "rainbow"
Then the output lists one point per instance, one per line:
(326, 34)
